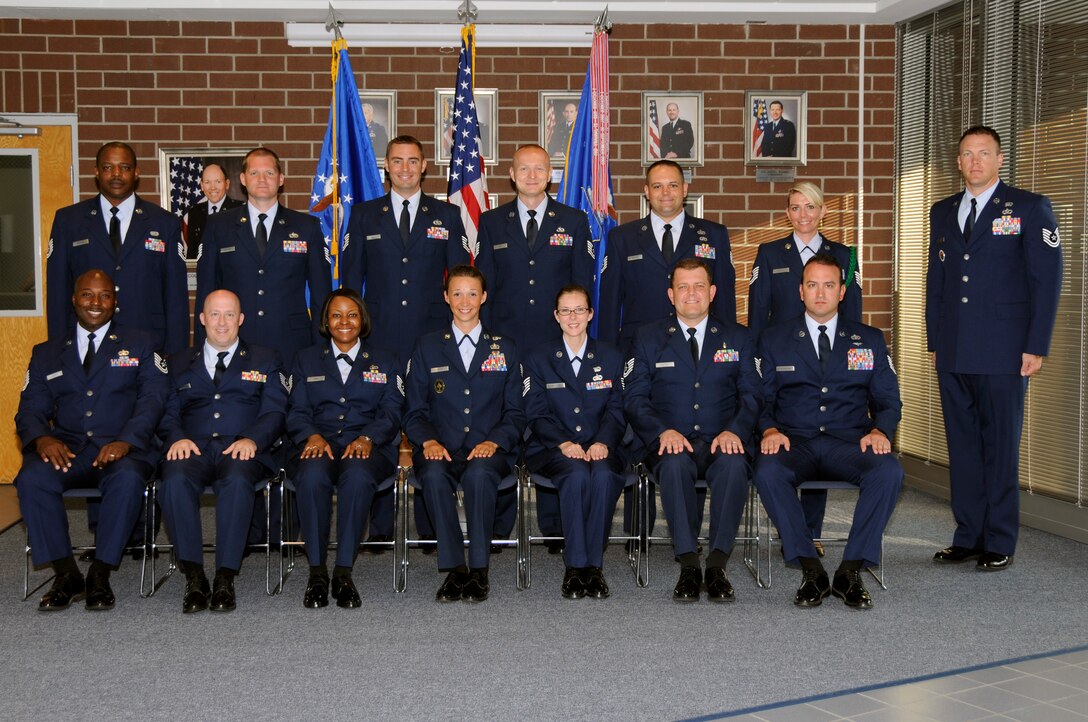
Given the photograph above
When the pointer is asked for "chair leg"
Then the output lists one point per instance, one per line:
(643, 507)
(396, 529)
(524, 527)
(400, 532)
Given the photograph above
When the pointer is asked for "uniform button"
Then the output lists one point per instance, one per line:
(260, 291)
(117, 309)
(217, 397)
(260, 271)
(696, 427)
(577, 410)
(822, 428)
(532, 301)
(965, 279)
(404, 260)
(532, 281)
(696, 384)
(468, 411)
(90, 433)
(404, 281)
(341, 417)
(823, 390)
(467, 392)
(532, 263)
(963, 300)
(215, 415)
(696, 407)
(404, 303)
(117, 268)
(339, 432)
(466, 429)
(342, 399)
(90, 393)
(823, 408)
(261, 312)
(967, 256)
(215, 434)
(577, 428)
(89, 413)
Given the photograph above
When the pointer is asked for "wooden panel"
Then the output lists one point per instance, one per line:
(20, 334)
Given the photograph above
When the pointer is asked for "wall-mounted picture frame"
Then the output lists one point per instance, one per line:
(776, 127)
(182, 194)
(693, 205)
(380, 112)
(493, 199)
(672, 127)
(558, 111)
(487, 106)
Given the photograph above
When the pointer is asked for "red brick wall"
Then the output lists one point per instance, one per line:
(239, 84)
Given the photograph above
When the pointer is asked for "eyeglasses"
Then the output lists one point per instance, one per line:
(580, 311)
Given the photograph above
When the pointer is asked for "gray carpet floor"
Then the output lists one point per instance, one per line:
(531, 655)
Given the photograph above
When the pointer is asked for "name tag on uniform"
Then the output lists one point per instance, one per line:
(256, 376)
(439, 233)
(665, 364)
(54, 375)
(780, 270)
(859, 359)
(374, 237)
(312, 379)
(227, 249)
(636, 257)
(294, 246)
(439, 369)
(82, 242)
(500, 246)
(784, 368)
(559, 385)
(154, 244)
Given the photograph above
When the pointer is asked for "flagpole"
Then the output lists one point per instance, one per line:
(334, 24)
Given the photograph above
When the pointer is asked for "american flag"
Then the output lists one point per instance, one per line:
(759, 113)
(467, 185)
(185, 189)
(549, 123)
(653, 133)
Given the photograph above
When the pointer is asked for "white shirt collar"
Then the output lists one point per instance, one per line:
(523, 211)
(580, 352)
(676, 224)
(814, 331)
(352, 352)
(474, 334)
(211, 354)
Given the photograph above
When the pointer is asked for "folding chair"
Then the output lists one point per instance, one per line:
(635, 557)
(751, 540)
(289, 542)
(149, 579)
(829, 485)
(401, 537)
(90, 494)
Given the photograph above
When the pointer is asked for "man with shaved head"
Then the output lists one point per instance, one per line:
(86, 418)
(226, 408)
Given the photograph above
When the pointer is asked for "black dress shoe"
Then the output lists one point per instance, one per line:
(572, 588)
(556, 547)
(847, 586)
(87, 556)
(596, 586)
(317, 592)
(223, 594)
(375, 539)
(345, 593)
(67, 588)
(451, 589)
(197, 592)
(477, 587)
(814, 588)
(718, 588)
(993, 562)
(956, 555)
(99, 595)
(688, 585)
(427, 549)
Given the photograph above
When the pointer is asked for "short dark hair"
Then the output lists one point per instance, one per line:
(262, 151)
(666, 163)
(691, 264)
(982, 130)
(353, 296)
(465, 271)
(118, 145)
(825, 259)
(776, 102)
(574, 288)
(405, 140)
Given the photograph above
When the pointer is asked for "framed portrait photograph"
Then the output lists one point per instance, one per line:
(693, 206)
(558, 111)
(487, 108)
(380, 112)
(493, 199)
(672, 125)
(187, 189)
(776, 127)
